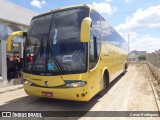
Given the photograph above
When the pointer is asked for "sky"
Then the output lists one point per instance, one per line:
(136, 20)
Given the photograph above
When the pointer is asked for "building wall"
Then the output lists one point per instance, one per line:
(15, 13)
(133, 56)
(3, 63)
(0, 60)
(6, 28)
(12, 18)
(154, 58)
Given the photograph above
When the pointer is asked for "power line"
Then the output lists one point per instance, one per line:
(128, 43)
(144, 46)
(128, 12)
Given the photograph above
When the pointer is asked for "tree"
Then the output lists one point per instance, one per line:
(142, 57)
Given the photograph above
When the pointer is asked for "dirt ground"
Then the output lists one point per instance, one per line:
(130, 92)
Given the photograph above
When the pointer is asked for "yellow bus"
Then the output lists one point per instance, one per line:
(71, 53)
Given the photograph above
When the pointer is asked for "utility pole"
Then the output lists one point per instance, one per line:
(128, 44)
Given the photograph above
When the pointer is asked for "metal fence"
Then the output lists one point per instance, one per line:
(153, 60)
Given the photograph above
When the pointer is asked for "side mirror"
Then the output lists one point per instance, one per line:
(9, 40)
(85, 29)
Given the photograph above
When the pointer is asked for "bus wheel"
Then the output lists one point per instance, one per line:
(125, 69)
(105, 83)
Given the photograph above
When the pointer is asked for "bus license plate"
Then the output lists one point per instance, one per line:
(47, 94)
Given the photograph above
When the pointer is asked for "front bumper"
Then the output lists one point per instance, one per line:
(77, 94)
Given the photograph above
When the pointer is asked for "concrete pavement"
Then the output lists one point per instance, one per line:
(13, 84)
(10, 88)
(131, 92)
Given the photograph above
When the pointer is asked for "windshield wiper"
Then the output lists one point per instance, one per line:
(59, 66)
(54, 57)
(39, 51)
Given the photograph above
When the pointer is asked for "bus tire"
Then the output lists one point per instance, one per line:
(105, 83)
(125, 69)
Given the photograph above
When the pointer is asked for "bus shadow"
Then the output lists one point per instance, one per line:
(111, 85)
(30, 103)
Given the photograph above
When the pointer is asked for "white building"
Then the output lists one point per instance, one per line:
(133, 56)
(12, 18)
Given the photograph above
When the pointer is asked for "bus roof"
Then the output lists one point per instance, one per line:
(74, 6)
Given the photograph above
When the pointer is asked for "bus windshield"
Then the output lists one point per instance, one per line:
(53, 43)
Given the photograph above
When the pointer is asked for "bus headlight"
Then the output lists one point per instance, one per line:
(76, 84)
(27, 82)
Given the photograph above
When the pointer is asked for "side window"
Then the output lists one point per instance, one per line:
(110, 35)
(91, 48)
(95, 39)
